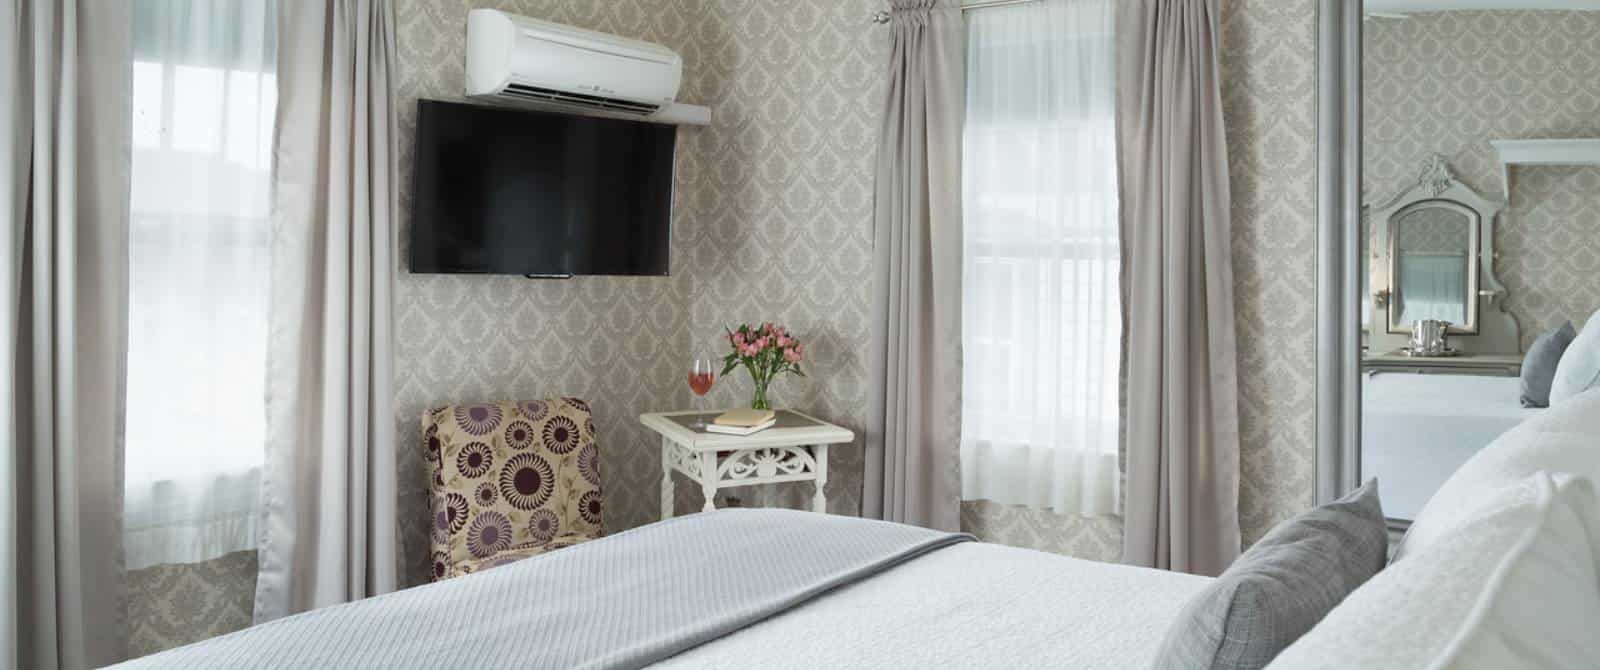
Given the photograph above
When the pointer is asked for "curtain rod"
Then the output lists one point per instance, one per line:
(882, 16)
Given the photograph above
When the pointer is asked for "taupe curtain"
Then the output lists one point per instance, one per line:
(913, 442)
(329, 492)
(1181, 510)
(64, 91)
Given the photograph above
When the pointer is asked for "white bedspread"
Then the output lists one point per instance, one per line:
(622, 601)
(969, 606)
(755, 589)
(1417, 429)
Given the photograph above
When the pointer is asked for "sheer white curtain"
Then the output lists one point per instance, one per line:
(1433, 286)
(204, 95)
(1041, 308)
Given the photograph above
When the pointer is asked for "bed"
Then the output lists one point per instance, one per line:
(1417, 429)
(786, 589)
(739, 588)
(989, 606)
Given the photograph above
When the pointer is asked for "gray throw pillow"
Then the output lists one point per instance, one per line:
(1281, 587)
(1539, 365)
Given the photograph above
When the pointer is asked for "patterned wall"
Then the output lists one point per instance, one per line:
(785, 218)
(773, 221)
(174, 605)
(1269, 69)
(611, 341)
(1435, 230)
(1447, 83)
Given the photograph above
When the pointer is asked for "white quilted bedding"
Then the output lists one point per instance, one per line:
(1417, 429)
(968, 606)
(901, 597)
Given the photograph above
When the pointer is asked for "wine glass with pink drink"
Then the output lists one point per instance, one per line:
(702, 375)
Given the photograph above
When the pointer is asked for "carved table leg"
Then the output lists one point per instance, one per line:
(708, 479)
(819, 502)
(667, 496)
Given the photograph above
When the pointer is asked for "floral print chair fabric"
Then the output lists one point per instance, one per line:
(510, 480)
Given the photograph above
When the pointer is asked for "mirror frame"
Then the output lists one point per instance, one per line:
(1392, 222)
(1339, 247)
(1437, 187)
(1339, 235)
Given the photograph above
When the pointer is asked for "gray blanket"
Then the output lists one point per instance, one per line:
(624, 601)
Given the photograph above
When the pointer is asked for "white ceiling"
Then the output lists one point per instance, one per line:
(1402, 6)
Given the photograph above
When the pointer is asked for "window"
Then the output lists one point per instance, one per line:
(1041, 298)
(204, 95)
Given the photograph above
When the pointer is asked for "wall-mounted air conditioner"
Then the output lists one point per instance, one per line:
(514, 58)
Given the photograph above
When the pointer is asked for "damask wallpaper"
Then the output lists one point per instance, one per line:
(784, 214)
(174, 605)
(772, 221)
(1269, 69)
(1435, 230)
(1447, 83)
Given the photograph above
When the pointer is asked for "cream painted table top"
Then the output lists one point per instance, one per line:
(772, 456)
(1497, 365)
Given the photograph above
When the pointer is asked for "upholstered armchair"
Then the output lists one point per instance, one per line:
(510, 480)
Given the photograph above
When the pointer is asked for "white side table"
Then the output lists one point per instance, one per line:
(794, 450)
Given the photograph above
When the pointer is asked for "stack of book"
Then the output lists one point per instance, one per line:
(743, 422)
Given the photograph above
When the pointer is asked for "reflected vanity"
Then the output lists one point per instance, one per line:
(1431, 256)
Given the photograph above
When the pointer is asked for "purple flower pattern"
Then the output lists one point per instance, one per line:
(543, 525)
(490, 532)
(561, 435)
(526, 480)
(535, 410)
(440, 560)
(478, 419)
(519, 435)
(430, 442)
(455, 512)
(475, 459)
(589, 507)
(589, 463)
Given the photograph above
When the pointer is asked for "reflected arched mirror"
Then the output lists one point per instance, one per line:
(1434, 252)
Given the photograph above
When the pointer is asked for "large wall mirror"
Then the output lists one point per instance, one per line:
(1435, 206)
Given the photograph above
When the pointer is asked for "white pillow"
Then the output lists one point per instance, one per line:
(1579, 369)
(1559, 439)
(1514, 588)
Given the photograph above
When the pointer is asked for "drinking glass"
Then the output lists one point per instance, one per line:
(701, 377)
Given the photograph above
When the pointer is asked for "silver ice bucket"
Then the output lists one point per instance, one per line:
(1428, 337)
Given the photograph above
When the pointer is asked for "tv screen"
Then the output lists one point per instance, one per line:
(510, 191)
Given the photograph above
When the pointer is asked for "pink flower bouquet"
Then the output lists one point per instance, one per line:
(766, 351)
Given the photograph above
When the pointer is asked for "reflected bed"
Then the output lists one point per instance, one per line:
(1416, 429)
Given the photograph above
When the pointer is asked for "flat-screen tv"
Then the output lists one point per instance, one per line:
(509, 191)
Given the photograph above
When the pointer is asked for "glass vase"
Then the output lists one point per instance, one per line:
(760, 399)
